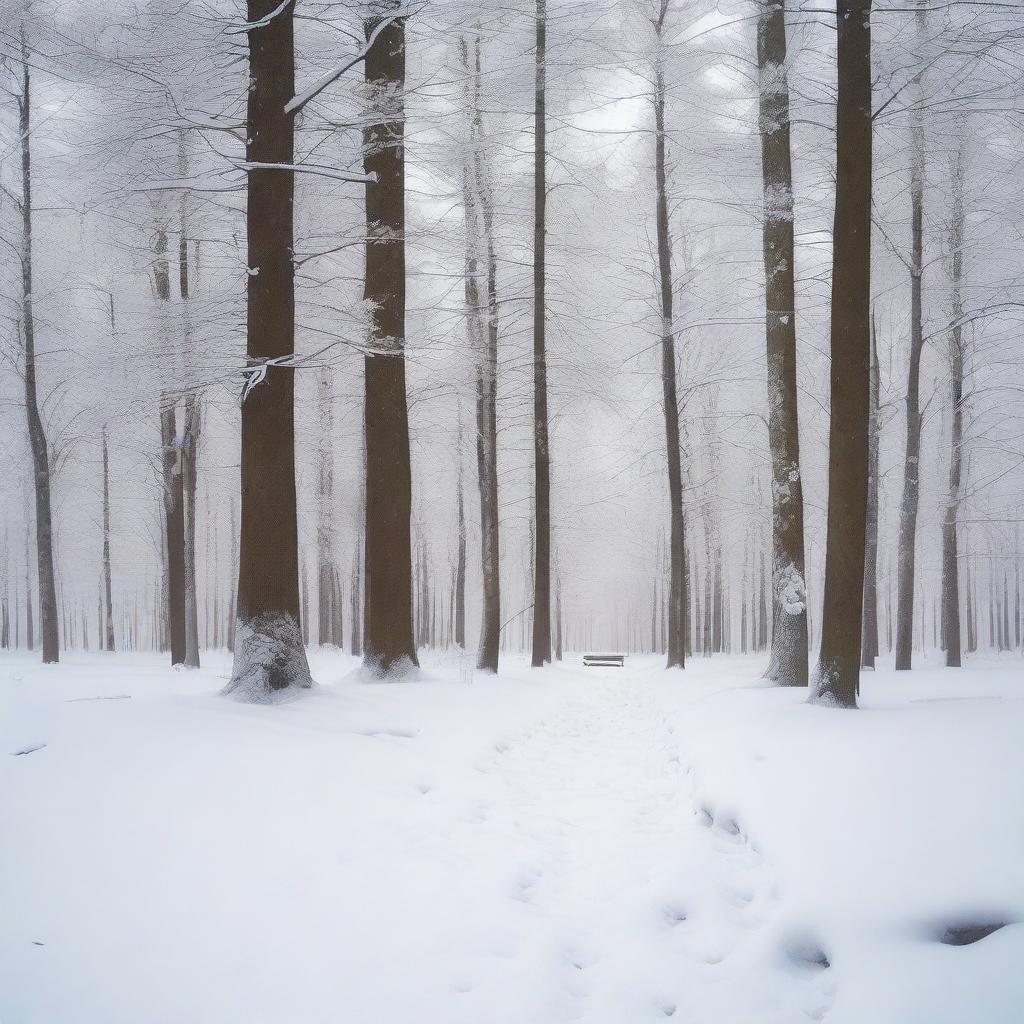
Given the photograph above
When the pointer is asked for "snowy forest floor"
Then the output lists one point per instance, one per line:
(598, 845)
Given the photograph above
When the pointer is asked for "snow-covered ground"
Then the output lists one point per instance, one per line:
(601, 845)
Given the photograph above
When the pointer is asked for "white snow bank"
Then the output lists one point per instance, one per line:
(611, 846)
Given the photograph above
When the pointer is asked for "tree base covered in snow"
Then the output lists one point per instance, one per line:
(270, 664)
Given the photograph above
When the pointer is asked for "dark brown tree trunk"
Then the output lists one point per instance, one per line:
(48, 624)
(107, 635)
(905, 558)
(950, 554)
(541, 652)
(670, 400)
(173, 483)
(388, 639)
(788, 663)
(836, 679)
(269, 656)
(869, 629)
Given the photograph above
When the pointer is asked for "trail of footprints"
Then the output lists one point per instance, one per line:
(716, 912)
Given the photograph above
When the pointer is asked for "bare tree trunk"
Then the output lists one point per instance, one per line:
(48, 624)
(388, 638)
(950, 555)
(269, 656)
(460, 562)
(107, 636)
(869, 629)
(670, 400)
(478, 200)
(173, 483)
(836, 680)
(911, 466)
(357, 637)
(788, 663)
(541, 653)
(327, 571)
(558, 616)
(189, 447)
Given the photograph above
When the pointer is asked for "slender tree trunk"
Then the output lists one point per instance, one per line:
(670, 401)
(327, 571)
(269, 656)
(479, 203)
(541, 653)
(869, 630)
(189, 446)
(388, 639)
(950, 554)
(788, 663)
(911, 466)
(460, 564)
(173, 483)
(357, 620)
(48, 624)
(107, 605)
(558, 616)
(836, 680)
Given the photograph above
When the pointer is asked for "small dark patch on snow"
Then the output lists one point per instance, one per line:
(705, 817)
(808, 954)
(730, 826)
(968, 934)
(669, 1009)
(674, 915)
(34, 943)
(27, 750)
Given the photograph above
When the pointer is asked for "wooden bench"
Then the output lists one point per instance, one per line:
(604, 660)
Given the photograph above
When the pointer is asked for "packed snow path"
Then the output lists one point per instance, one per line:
(634, 904)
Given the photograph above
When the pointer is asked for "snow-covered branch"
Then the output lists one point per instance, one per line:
(263, 22)
(297, 102)
(319, 169)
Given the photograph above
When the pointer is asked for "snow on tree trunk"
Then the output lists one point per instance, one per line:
(836, 677)
(269, 658)
(788, 663)
(388, 647)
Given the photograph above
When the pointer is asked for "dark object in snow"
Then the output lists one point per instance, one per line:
(118, 696)
(27, 750)
(809, 954)
(604, 660)
(34, 943)
(968, 934)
